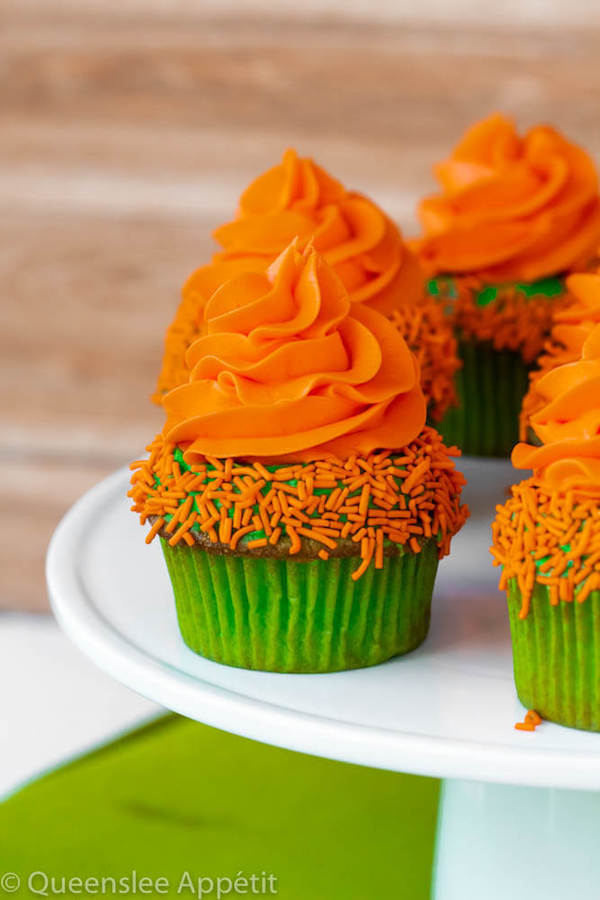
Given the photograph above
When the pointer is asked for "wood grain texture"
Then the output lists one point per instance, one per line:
(125, 139)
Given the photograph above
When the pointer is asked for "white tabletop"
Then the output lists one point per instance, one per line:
(55, 703)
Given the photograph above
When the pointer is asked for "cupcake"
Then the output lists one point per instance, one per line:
(546, 537)
(299, 199)
(571, 326)
(301, 501)
(514, 216)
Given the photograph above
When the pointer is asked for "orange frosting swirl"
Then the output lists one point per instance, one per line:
(568, 424)
(573, 324)
(288, 367)
(297, 198)
(511, 208)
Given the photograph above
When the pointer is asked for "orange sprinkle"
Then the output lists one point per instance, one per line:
(237, 516)
(296, 544)
(239, 534)
(257, 542)
(531, 721)
(366, 554)
(379, 549)
(264, 473)
(363, 506)
(225, 529)
(158, 524)
(411, 481)
(317, 535)
(283, 501)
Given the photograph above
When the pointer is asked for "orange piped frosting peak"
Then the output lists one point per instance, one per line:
(288, 367)
(571, 327)
(568, 424)
(511, 208)
(297, 198)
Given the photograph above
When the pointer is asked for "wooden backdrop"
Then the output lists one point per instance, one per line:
(126, 136)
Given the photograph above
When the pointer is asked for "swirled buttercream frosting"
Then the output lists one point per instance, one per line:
(572, 324)
(298, 199)
(511, 208)
(568, 424)
(289, 367)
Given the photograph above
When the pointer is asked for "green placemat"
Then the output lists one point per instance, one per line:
(177, 797)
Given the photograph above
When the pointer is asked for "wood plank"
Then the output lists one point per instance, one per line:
(127, 138)
(141, 106)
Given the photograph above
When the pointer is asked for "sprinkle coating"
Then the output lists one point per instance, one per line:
(549, 538)
(369, 507)
(512, 321)
(429, 335)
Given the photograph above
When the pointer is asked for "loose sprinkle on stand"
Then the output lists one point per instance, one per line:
(531, 721)
(542, 537)
(384, 499)
(512, 321)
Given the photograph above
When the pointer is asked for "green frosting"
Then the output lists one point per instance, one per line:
(546, 287)
(445, 286)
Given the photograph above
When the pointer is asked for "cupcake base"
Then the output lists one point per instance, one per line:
(490, 389)
(288, 615)
(556, 657)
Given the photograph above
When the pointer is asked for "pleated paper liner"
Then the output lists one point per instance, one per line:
(490, 388)
(279, 614)
(556, 657)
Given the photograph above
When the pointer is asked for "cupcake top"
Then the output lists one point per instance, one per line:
(289, 367)
(548, 532)
(298, 199)
(568, 424)
(572, 324)
(511, 208)
(300, 431)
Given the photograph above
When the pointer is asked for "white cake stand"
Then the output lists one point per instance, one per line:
(519, 811)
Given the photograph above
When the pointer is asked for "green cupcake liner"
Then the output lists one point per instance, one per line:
(556, 657)
(490, 386)
(286, 615)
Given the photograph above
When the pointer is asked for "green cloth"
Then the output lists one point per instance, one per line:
(178, 796)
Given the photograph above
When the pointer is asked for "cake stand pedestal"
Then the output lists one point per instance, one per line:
(499, 841)
(519, 811)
